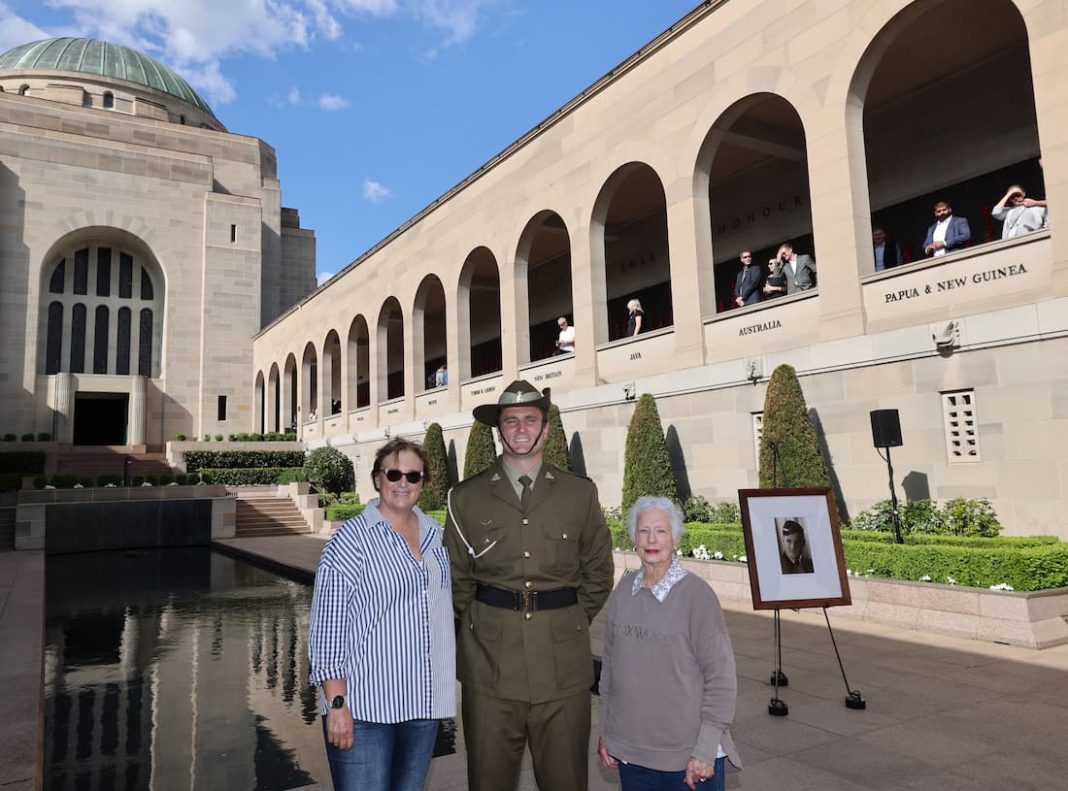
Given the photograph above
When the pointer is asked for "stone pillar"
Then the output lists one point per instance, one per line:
(62, 407)
(136, 432)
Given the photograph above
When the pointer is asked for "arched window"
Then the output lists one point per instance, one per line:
(81, 272)
(122, 351)
(144, 354)
(109, 100)
(100, 340)
(77, 339)
(58, 280)
(125, 276)
(146, 285)
(54, 344)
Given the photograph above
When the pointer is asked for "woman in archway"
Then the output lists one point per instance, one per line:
(634, 319)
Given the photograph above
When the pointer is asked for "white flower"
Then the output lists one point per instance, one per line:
(849, 572)
(1002, 586)
(743, 559)
(78, 486)
(950, 581)
(109, 486)
(173, 483)
(869, 572)
(146, 483)
(701, 552)
(925, 578)
(717, 555)
(49, 486)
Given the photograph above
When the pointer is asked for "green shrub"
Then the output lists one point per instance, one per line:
(62, 481)
(39, 481)
(113, 478)
(25, 461)
(646, 464)
(242, 476)
(231, 459)
(330, 469)
(186, 479)
(697, 509)
(10, 438)
(28, 437)
(293, 475)
(207, 437)
(481, 452)
(340, 512)
(137, 480)
(44, 436)
(437, 516)
(180, 437)
(87, 482)
(164, 479)
(218, 437)
(727, 513)
(433, 495)
(788, 427)
(557, 452)
(957, 517)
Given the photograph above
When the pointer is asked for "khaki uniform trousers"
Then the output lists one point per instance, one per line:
(496, 731)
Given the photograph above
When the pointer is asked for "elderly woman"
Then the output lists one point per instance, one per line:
(668, 686)
(381, 639)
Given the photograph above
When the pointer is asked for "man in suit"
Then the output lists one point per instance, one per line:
(531, 566)
(747, 284)
(948, 233)
(793, 558)
(887, 253)
(800, 270)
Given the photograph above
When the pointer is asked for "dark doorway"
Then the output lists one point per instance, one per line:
(100, 418)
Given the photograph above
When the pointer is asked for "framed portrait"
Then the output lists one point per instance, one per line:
(794, 548)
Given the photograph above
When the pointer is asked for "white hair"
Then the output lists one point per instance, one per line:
(650, 503)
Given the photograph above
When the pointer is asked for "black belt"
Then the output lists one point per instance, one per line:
(528, 600)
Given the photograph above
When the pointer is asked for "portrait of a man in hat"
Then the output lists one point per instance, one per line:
(531, 562)
(794, 555)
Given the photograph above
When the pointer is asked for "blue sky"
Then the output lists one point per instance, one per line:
(375, 107)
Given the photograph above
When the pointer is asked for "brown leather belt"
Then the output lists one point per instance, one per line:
(526, 601)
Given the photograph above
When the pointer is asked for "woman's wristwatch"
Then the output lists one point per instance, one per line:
(337, 702)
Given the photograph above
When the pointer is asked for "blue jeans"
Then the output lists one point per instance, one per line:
(383, 757)
(637, 778)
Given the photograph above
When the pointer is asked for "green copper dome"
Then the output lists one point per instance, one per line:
(101, 58)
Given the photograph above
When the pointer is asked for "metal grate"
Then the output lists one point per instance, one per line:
(962, 426)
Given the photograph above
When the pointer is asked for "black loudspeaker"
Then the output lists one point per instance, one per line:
(885, 428)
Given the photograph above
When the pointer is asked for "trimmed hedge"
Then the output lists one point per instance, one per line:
(557, 452)
(244, 476)
(330, 469)
(242, 459)
(339, 512)
(481, 451)
(29, 462)
(434, 492)
(1026, 563)
(788, 427)
(10, 482)
(646, 463)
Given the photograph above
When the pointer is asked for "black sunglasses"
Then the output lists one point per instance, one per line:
(413, 476)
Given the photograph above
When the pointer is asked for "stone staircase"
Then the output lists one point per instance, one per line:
(268, 516)
(7, 529)
(105, 460)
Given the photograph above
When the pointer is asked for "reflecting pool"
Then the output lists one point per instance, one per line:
(178, 669)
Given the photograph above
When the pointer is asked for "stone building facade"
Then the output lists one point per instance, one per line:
(142, 246)
(744, 125)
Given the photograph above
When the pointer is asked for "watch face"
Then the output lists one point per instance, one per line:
(337, 702)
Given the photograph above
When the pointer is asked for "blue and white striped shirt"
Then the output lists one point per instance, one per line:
(383, 621)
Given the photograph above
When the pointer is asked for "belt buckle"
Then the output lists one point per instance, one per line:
(530, 600)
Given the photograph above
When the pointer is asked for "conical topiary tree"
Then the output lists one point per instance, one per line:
(556, 451)
(433, 496)
(788, 426)
(481, 452)
(646, 464)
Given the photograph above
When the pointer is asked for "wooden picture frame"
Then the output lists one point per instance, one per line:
(794, 548)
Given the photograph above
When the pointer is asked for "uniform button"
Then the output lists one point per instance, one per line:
(564, 536)
(528, 615)
(526, 521)
(526, 555)
(528, 584)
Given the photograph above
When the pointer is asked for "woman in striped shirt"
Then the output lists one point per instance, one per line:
(381, 640)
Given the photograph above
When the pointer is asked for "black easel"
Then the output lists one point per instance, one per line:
(776, 706)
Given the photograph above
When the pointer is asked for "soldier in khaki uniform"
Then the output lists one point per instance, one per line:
(532, 564)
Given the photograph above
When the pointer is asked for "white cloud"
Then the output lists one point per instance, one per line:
(374, 192)
(14, 30)
(324, 276)
(293, 97)
(330, 101)
(193, 36)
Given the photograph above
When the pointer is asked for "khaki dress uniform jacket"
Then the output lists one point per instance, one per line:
(561, 541)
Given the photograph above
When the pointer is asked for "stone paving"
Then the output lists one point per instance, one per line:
(942, 712)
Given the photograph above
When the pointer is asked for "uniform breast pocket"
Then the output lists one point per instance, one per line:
(562, 548)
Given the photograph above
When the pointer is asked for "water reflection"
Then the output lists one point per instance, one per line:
(178, 669)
